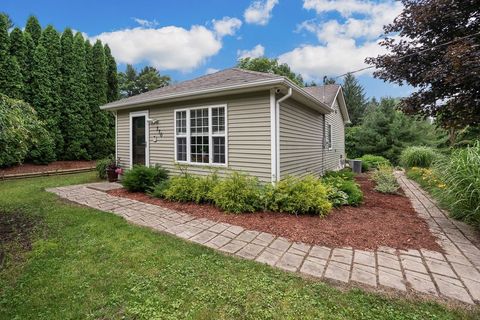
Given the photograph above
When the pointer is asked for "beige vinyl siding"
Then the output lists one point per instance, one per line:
(248, 136)
(123, 136)
(301, 135)
(337, 152)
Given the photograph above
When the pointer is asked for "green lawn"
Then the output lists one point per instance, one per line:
(86, 264)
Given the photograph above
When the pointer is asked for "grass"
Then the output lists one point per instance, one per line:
(87, 264)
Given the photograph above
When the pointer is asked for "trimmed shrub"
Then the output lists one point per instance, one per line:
(142, 179)
(202, 191)
(370, 162)
(349, 187)
(159, 189)
(102, 165)
(238, 193)
(418, 157)
(307, 195)
(461, 175)
(346, 174)
(385, 180)
(180, 188)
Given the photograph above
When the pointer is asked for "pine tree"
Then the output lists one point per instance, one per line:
(11, 83)
(354, 98)
(34, 28)
(46, 80)
(73, 89)
(112, 80)
(18, 49)
(101, 129)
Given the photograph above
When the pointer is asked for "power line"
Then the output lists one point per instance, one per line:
(412, 54)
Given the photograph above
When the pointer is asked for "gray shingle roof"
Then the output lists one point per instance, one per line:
(326, 93)
(223, 78)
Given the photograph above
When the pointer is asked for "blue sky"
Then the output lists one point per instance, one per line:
(185, 39)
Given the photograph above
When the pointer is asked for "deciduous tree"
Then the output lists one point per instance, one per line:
(267, 65)
(435, 48)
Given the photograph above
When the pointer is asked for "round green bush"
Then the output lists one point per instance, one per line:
(22, 135)
(349, 187)
(370, 162)
(306, 195)
(142, 179)
(238, 193)
(418, 156)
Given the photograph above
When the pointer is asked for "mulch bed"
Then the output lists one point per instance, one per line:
(54, 166)
(382, 220)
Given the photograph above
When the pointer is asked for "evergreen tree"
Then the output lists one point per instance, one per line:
(112, 80)
(11, 83)
(386, 131)
(354, 98)
(73, 89)
(18, 49)
(46, 84)
(102, 144)
(33, 27)
(28, 71)
(9, 21)
(147, 79)
(128, 82)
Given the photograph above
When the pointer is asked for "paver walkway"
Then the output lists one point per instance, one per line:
(453, 275)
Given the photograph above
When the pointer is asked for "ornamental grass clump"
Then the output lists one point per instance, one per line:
(418, 157)
(385, 180)
(460, 172)
(306, 195)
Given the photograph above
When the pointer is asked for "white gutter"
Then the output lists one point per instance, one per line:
(277, 131)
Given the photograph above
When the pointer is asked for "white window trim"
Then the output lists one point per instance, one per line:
(210, 136)
(330, 136)
(147, 136)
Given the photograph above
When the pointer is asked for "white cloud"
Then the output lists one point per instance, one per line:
(226, 26)
(146, 23)
(255, 52)
(335, 58)
(344, 43)
(259, 12)
(211, 70)
(166, 48)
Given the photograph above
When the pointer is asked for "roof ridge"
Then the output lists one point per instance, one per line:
(271, 75)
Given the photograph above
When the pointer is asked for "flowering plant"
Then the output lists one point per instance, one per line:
(119, 170)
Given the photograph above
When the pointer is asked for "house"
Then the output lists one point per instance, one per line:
(259, 123)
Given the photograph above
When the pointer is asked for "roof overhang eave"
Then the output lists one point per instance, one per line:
(299, 94)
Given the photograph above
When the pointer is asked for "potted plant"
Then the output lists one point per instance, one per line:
(112, 174)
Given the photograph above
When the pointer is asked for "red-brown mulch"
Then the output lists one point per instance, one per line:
(54, 166)
(382, 220)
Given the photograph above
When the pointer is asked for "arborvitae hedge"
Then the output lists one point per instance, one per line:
(65, 79)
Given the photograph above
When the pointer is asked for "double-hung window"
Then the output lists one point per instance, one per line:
(200, 135)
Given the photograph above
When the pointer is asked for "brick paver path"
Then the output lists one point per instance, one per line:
(453, 275)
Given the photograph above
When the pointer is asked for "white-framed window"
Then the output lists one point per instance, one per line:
(329, 136)
(200, 135)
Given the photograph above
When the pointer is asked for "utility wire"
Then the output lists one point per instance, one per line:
(412, 54)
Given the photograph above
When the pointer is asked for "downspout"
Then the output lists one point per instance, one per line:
(323, 145)
(277, 131)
